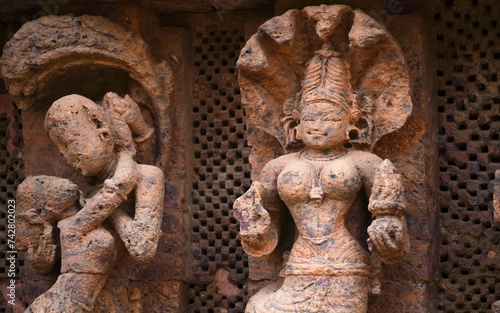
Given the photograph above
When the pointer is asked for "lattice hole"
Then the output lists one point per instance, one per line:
(221, 171)
(11, 175)
(468, 110)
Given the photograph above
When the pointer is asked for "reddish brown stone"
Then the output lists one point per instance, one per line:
(309, 79)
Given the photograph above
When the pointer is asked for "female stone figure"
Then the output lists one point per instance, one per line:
(328, 269)
(98, 141)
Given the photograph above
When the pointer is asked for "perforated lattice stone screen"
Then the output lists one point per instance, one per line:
(221, 172)
(11, 169)
(467, 39)
(467, 35)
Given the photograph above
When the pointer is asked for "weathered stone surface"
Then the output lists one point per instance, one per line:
(329, 82)
(44, 51)
(496, 198)
(281, 6)
(119, 60)
(51, 7)
(496, 217)
(141, 297)
(6, 107)
(410, 297)
(98, 141)
(413, 150)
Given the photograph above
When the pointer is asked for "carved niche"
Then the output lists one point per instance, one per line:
(322, 86)
(45, 51)
(66, 74)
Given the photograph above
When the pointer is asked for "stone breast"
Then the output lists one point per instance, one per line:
(339, 179)
(295, 182)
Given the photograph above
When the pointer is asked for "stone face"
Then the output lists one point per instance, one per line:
(52, 48)
(328, 82)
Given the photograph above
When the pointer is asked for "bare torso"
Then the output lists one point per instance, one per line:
(319, 195)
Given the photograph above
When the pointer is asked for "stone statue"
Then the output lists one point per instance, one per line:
(100, 142)
(328, 268)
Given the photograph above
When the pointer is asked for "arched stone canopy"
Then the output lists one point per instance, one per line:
(52, 46)
(273, 60)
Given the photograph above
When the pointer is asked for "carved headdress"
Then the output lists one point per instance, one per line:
(331, 54)
(327, 79)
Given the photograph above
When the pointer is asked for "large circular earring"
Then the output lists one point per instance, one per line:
(352, 133)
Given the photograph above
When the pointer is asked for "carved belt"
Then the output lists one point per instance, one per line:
(337, 269)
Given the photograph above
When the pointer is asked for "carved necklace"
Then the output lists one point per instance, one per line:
(317, 193)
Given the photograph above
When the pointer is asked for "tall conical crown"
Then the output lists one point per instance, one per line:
(327, 79)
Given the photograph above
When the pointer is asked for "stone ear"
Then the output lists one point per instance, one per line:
(355, 112)
(297, 131)
(291, 128)
(354, 116)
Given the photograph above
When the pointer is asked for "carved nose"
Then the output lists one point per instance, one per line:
(316, 125)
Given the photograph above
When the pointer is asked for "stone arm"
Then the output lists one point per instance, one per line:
(142, 233)
(42, 252)
(259, 214)
(388, 235)
(107, 200)
(128, 123)
(42, 202)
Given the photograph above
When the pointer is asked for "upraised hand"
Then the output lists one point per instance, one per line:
(248, 210)
(257, 233)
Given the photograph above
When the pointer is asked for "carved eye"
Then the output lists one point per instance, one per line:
(333, 119)
(308, 118)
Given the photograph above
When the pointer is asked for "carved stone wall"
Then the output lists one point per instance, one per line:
(221, 172)
(410, 285)
(11, 175)
(89, 55)
(466, 35)
(200, 232)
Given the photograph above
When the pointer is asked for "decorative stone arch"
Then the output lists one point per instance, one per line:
(51, 46)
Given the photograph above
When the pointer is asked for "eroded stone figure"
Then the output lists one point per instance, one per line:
(328, 269)
(100, 142)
